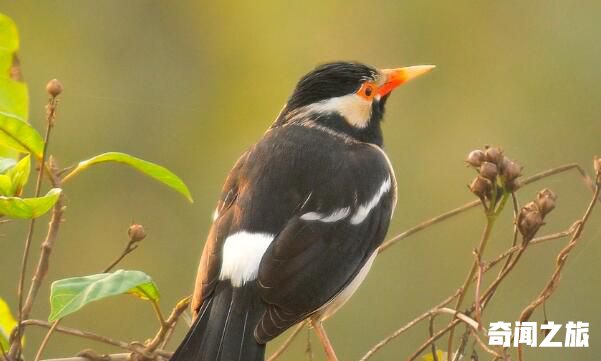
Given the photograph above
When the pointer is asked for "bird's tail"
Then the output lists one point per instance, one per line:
(224, 328)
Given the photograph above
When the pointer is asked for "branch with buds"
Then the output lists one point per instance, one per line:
(498, 180)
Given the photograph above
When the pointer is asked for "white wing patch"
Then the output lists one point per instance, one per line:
(363, 211)
(242, 254)
(335, 216)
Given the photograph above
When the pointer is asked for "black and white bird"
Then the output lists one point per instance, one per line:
(300, 217)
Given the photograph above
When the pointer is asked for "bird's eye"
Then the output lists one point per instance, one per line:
(367, 90)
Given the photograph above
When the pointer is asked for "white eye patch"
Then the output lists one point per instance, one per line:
(355, 109)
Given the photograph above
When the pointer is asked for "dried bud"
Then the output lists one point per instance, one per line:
(494, 155)
(511, 170)
(513, 185)
(136, 233)
(529, 221)
(545, 200)
(475, 158)
(481, 186)
(54, 88)
(488, 170)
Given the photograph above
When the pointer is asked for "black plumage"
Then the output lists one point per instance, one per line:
(307, 207)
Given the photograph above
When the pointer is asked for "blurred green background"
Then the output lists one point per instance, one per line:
(191, 85)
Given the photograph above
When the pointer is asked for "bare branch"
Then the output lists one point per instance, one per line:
(407, 326)
(133, 347)
(287, 343)
(427, 223)
(23, 310)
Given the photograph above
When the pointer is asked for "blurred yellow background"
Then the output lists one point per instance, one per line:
(191, 85)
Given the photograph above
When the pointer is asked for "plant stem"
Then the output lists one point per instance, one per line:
(15, 349)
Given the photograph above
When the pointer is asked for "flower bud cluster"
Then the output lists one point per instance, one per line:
(493, 168)
(532, 215)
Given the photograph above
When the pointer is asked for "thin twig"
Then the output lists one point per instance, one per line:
(287, 343)
(561, 260)
(133, 347)
(309, 347)
(15, 349)
(38, 354)
(130, 247)
(110, 357)
(479, 276)
(427, 223)
(484, 346)
(407, 326)
(436, 336)
(167, 324)
(431, 331)
(490, 221)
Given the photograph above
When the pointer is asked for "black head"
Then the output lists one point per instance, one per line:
(347, 97)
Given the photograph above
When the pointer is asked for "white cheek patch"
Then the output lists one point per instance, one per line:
(355, 109)
(335, 216)
(364, 209)
(242, 254)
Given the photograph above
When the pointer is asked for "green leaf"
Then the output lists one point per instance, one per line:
(152, 170)
(16, 207)
(16, 134)
(6, 164)
(6, 185)
(19, 175)
(7, 324)
(71, 294)
(14, 97)
(9, 38)
(146, 291)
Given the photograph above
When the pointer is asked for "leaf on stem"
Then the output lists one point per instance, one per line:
(71, 294)
(152, 170)
(16, 207)
(19, 175)
(17, 135)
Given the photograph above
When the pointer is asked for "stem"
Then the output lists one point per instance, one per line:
(92, 336)
(128, 249)
(287, 343)
(15, 349)
(38, 354)
(490, 221)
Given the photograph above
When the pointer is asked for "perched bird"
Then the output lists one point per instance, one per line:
(300, 216)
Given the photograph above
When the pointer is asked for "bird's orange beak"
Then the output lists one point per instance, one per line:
(396, 77)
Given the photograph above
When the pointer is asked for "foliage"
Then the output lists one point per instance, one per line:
(152, 170)
(71, 294)
(20, 145)
(7, 324)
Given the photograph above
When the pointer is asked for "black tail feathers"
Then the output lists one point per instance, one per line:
(224, 328)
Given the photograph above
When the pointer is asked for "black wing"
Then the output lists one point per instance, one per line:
(344, 217)
(311, 189)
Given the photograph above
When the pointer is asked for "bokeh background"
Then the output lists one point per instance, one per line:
(191, 85)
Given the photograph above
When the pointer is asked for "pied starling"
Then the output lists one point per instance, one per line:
(300, 217)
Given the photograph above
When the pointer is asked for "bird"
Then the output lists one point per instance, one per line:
(300, 216)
